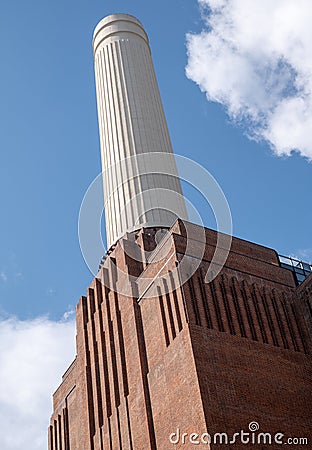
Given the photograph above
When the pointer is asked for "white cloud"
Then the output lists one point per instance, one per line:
(255, 58)
(71, 311)
(304, 255)
(3, 276)
(33, 356)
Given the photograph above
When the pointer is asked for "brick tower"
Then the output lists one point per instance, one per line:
(165, 359)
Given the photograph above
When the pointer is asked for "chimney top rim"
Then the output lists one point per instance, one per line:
(111, 18)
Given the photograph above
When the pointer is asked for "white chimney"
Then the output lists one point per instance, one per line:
(141, 183)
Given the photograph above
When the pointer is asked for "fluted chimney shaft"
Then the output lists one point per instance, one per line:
(141, 184)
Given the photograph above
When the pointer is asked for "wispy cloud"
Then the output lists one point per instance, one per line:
(68, 314)
(255, 58)
(8, 275)
(3, 276)
(33, 356)
(304, 254)
(11, 271)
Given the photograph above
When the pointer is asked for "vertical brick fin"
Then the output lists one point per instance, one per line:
(98, 385)
(105, 275)
(222, 305)
(91, 301)
(279, 316)
(101, 439)
(290, 328)
(194, 301)
(85, 310)
(197, 313)
(265, 331)
(298, 325)
(95, 369)
(275, 317)
(204, 299)
(113, 272)
(269, 317)
(55, 435)
(274, 314)
(169, 310)
(255, 328)
(92, 364)
(176, 301)
(309, 307)
(90, 406)
(292, 324)
(90, 403)
(106, 376)
(98, 292)
(108, 402)
(113, 353)
(242, 298)
(122, 348)
(257, 300)
(163, 316)
(251, 324)
(227, 304)
(98, 336)
(210, 303)
(129, 424)
(234, 290)
(233, 303)
(51, 446)
(216, 306)
(110, 434)
(144, 371)
(181, 290)
(59, 426)
(119, 430)
(66, 427)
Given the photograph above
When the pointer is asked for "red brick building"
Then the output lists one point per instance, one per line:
(165, 359)
(200, 357)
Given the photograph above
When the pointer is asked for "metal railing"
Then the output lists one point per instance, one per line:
(300, 268)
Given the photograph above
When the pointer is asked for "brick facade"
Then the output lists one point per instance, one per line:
(155, 355)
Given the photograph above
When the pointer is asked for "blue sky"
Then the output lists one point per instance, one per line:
(50, 154)
(50, 147)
